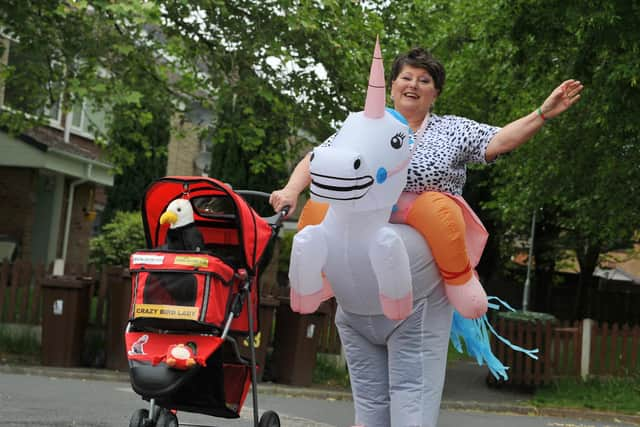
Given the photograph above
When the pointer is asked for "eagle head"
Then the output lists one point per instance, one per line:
(178, 214)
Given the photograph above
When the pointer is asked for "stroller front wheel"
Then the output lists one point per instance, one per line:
(140, 418)
(269, 419)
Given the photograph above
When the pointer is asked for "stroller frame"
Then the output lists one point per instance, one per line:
(212, 330)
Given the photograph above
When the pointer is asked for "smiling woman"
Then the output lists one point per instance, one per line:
(432, 204)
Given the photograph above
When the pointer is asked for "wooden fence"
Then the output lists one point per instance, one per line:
(567, 349)
(21, 289)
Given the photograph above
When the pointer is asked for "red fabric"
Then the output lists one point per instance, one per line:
(254, 233)
(144, 265)
(236, 390)
(171, 260)
(154, 347)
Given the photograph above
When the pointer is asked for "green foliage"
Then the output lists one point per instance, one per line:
(328, 373)
(70, 51)
(286, 242)
(503, 58)
(118, 240)
(19, 340)
(140, 135)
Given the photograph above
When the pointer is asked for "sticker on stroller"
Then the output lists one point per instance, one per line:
(256, 341)
(147, 259)
(138, 346)
(192, 261)
(166, 311)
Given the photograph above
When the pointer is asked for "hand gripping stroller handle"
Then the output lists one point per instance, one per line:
(275, 220)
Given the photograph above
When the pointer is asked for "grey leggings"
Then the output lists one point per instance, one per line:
(397, 369)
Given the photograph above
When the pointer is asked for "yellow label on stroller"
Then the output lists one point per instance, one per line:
(193, 261)
(166, 311)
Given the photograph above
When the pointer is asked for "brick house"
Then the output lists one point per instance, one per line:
(52, 182)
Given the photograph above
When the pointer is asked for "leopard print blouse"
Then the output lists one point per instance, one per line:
(442, 151)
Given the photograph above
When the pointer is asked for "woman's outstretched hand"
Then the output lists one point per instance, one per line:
(562, 97)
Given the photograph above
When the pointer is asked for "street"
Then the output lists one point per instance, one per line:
(31, 400)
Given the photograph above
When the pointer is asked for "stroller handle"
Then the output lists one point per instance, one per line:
(276, 219)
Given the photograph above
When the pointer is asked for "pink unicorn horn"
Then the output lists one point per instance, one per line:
(375, 102)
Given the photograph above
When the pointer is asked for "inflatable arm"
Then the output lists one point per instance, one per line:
(308, 257)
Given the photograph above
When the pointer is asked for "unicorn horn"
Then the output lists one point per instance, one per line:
(375, 102)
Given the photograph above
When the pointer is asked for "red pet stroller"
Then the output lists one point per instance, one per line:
(189, 308)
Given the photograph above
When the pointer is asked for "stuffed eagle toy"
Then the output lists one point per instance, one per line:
(183, 235)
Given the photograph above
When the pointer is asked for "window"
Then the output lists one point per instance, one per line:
(29, 88)
(86, 119)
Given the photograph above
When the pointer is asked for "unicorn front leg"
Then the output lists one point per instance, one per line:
(390, 263)
(308, 256)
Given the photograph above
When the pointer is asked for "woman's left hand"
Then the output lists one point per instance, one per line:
(562, 97)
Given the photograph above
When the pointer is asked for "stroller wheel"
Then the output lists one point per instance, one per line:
(140, 418)
(167, 419)
(269, 419)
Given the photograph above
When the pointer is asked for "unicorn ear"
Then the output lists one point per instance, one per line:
(374, 104)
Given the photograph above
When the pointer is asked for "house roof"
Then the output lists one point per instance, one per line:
(46, 139)
(44, 149)
(623, 264)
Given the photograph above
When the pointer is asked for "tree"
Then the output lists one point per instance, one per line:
(75, 51)
(581, 167)
(143, 131)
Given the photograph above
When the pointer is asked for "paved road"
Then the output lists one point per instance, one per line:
(34, 400)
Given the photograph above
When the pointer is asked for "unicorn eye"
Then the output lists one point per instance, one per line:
(397, 140)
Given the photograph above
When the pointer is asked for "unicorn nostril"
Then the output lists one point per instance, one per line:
(313, 154)
(356, 164)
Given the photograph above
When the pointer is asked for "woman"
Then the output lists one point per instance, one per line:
(444, 145)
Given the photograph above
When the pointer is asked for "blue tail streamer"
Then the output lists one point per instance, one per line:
(474, 333)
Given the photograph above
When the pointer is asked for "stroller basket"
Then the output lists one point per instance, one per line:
(181, 291)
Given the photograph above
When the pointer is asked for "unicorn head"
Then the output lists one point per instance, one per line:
(365, 168)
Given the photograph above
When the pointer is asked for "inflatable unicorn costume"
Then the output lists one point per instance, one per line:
(394, 317)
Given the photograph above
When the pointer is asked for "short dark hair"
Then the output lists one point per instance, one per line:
(420, 58)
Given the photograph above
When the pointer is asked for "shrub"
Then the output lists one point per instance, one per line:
(118, 240)
(286, 241)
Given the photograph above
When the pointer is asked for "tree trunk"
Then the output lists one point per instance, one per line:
(588, 260)
(544, 253)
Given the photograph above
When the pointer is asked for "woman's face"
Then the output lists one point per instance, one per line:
(413, 92)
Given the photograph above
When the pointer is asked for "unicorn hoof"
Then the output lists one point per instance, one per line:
(469, 299)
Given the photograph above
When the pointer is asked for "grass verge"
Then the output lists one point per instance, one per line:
(328, 373)
(601, 394)
(19, 345)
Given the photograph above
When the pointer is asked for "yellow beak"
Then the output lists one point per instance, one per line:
(168, 217)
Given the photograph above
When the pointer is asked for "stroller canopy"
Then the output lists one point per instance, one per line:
(224, 216)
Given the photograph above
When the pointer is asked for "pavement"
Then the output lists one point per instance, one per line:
(465, 389)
